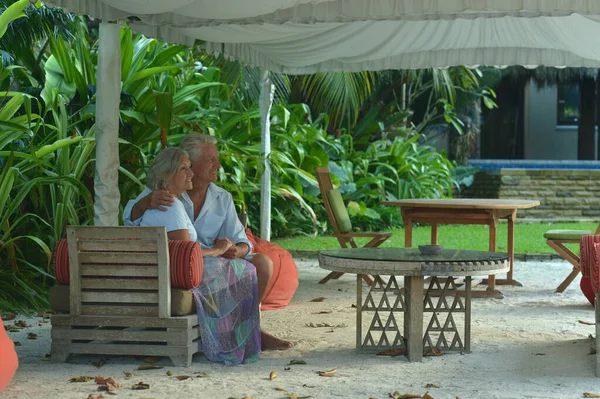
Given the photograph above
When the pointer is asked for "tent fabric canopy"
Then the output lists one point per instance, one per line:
(308, 36)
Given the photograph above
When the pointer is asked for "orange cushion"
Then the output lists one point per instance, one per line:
(284, 282)
(185, 259)
(8, 358)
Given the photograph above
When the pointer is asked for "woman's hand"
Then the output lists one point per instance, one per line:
(221, 246)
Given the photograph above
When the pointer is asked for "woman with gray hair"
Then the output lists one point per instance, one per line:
(171, 171)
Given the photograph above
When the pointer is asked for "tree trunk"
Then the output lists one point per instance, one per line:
(587, 119)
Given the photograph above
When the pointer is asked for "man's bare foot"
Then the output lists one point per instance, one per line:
(272, 343)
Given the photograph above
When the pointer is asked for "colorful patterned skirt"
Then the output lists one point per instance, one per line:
(228, 309)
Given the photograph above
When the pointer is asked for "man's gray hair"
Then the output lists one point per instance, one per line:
(191, 143)
(164, 167)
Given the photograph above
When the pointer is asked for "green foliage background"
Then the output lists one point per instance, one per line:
(47, 138)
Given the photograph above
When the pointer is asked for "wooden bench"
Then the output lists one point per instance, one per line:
(120, 298)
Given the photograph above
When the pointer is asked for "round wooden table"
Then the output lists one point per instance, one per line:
(386, 300)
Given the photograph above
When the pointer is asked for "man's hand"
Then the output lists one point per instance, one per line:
(155, 200)
(158, 199)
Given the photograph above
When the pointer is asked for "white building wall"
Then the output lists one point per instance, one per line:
(543, 138)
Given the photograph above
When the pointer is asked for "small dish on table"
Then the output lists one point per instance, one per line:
(431, 249)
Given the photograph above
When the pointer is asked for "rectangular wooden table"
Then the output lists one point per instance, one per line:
(466, 211)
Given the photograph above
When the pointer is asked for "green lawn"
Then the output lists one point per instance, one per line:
(529, 238)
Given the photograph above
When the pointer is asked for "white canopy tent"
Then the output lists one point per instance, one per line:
(307, 36)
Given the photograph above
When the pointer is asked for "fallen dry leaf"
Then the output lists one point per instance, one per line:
(140, 385)
(99, 363)
(433, 352)
(147, 366)
(151, 359)
(318, 299)
(8, 316)
(398, 395)
(292, 396)
(47, 357)
(32, 336)
(431, 385)
(591, 395)
(280, 389)
(272, 375)
(95, 396)
(588, 323)
(201, 374)
(45, 315)
(307, 386)
(393, 352)
(540, 354)
(127, 374)
(183, 377)
(427, 396)
(328, 373)
(296, 361)
(21, 324)
(288, 368)
(81, 378)
(322, 312)
(107, 384)
(318, 325)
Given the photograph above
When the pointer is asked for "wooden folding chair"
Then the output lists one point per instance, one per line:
(340, 221)
(556, 239)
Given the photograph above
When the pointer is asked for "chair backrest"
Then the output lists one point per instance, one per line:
(325, 184)
(119, 271)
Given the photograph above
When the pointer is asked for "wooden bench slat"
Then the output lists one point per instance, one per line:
(180, 336)
(87, 232)
(118, 257)
(125, 297)
(117, 245)
(114, 270)
(119, 284)
(106, 310)
(130, 321)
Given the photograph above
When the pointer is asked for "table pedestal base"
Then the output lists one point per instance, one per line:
(386, 305)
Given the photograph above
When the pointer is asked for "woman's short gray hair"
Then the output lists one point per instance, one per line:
(164, 167)
(192, 142)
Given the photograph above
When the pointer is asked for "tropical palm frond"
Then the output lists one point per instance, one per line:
(247, 78)
(23, 33)
(339, 94)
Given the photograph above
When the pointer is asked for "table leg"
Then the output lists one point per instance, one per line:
(413, 317)
(492, 248)
(407, 228)
(468, 314)
(359, 280)
(434, 233)
(511, 252)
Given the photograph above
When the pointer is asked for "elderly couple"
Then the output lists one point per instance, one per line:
(181, 195)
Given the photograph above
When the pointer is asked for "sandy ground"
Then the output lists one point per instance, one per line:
(528, 345)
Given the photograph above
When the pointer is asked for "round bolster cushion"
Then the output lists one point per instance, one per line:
(185, 258)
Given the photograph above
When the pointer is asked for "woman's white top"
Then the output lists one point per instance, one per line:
(175, 218)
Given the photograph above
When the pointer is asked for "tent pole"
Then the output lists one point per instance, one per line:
(266, 101)
(108, 84)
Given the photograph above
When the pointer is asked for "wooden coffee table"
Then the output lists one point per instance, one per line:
(385, 301)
